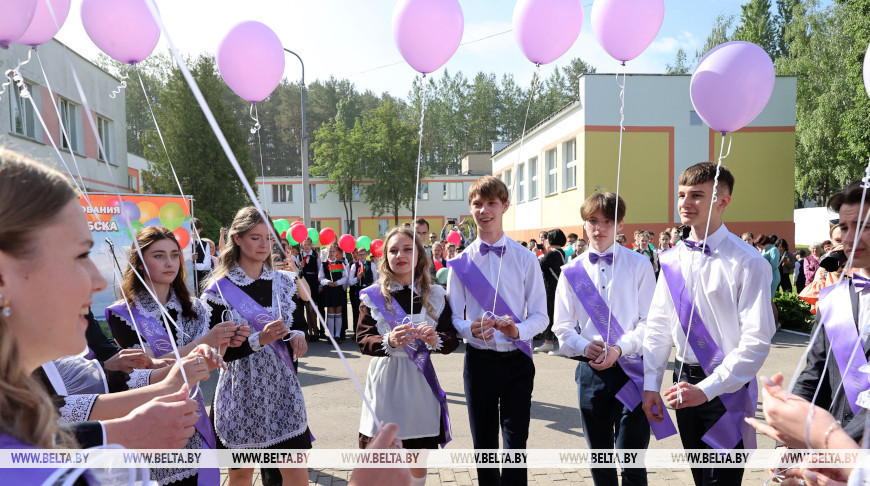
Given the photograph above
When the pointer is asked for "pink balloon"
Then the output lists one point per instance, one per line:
(731, 85)
(251, 60)
(123, 29)
(454, 237)
(14, 20)
(546, 29)
(42, 28)
(347, 243)
(625, 28)
(427, 32)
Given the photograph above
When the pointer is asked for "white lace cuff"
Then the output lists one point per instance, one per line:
(387, 348)
(77, 408)
(437, 346)
(254, 340)
(139, 378)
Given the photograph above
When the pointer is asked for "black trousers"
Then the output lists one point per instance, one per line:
(607, 423)
(498, 392)
(354, 305)
(694, 422)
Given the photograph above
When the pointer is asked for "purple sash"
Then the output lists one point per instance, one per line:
(727, 432)
(631, 393)
(484, 293)
(417, 351)
(843, 337)
(159, 340)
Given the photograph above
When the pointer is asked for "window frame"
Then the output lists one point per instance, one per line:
(532, 166)
(552, 180)
(570, 166)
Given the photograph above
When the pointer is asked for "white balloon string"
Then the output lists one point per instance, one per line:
(535, 77)
(121, 87)
(182, 65)
(697, 268)
(15, 71)
(417, 186)
(116, 270)
(616, 206)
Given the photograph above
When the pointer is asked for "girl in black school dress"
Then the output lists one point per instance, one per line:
(333, 296)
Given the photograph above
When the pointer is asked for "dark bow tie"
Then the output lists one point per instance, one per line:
(606, 258)
(487, 248)
(860, 282)
(695, 246)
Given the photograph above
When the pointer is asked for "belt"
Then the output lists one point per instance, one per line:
(581, 358)
(492, 355)
(692, 370)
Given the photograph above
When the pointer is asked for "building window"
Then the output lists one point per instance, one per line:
(69, 118)
(569, 154)
(533, 178)
(508, 181)
(282, 193)
(521, 183)
(383, 227)
(133, 183)
(316, 224)
(356, 192)
(453, 191)
(312, 188)
(423, 193)
(104, 128)
(694, 119)
(23, 122)
(552, 170)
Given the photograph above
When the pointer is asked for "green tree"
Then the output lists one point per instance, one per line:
(757, 26)
(390, 160)
(202, 167)
(720, 34)
(785, 13)
(681, 64)
(571, 73)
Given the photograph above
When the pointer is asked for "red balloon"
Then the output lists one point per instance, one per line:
(299, 232)
(347, 243)
(294, 223)
(182, 236)
(454, 237)
(284, 234)
(377, 248)
(438, 265)
(327, 236)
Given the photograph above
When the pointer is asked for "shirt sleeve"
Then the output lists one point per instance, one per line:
(755, 315)
(536, 303)
(321, 275)
(344, 277)
(657, 339)
(565, 319)
(632, 341)
(456, 299)
(206, 261)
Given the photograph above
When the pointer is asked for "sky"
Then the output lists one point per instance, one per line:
(353, 39)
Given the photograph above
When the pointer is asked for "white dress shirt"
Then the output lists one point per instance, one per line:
(521, 286)
(630, 297)
(733, 300)
(206, 262)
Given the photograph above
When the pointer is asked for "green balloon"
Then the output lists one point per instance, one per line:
(132, 229)
(290, 239)
(282, 225)
(314, 235)
(364, 242)
(441, 275)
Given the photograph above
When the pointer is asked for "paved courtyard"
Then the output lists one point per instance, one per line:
(334, 411)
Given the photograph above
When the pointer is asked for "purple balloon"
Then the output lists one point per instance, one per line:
(546, 29)
(731, 85)
(42, 28)
(867, 71)
(14, 20)
(123, 29)
(251, 60)
(427, 32)
(625, 28)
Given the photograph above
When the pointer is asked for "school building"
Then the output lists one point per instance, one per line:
(441, 197)
(574, 153)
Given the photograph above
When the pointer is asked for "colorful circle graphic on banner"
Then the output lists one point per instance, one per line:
(172, 215)
(148, 210)
(182, 236)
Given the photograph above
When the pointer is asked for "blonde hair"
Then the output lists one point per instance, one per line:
(421, 270)
(31, 195)
(245, 220)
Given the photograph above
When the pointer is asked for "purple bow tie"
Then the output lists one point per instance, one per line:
(860, 282)
(695, 246)
(486, 248)
(594, 257)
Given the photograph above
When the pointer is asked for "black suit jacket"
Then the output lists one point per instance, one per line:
(831, 380)
(102, 346)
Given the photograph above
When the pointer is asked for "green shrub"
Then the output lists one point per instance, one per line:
(794, 312)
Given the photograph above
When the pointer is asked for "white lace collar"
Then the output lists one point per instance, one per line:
(240, 278)
(148, 307)
(396, 286)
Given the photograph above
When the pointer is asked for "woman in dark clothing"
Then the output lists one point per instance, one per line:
(551, 267)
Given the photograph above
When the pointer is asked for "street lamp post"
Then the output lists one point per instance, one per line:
(306, 196)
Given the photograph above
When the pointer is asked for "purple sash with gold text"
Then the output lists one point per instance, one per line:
(416, 350)
(483, 292)
(159, 340)
(731, 428)
(835, 311)
(631, 393)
